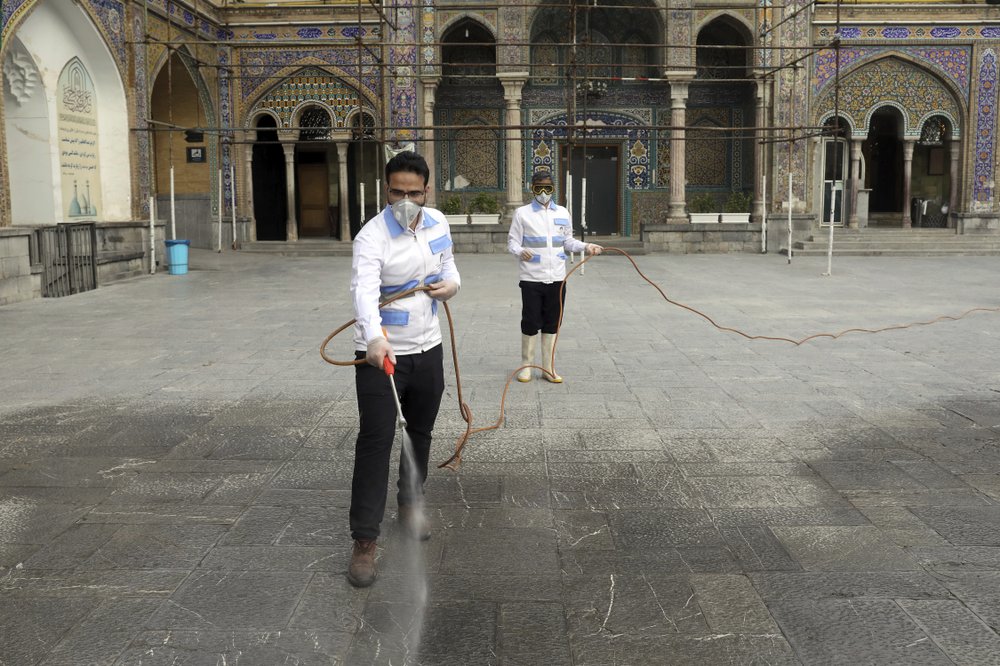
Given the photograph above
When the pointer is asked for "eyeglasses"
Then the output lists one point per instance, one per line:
(542, 189)
(411, 194)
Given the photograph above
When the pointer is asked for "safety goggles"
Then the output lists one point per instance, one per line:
(411, 194)
(542, 189)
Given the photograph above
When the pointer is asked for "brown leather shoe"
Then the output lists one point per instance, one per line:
(414, 522)
(361, 572)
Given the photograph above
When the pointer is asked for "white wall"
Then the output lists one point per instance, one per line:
(26, 123)
(55, 32)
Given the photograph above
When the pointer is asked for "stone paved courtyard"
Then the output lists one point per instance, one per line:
(175, 460)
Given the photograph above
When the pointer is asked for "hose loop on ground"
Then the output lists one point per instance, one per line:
(466, 412)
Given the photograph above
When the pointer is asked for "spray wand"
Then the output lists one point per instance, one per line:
(390, 372)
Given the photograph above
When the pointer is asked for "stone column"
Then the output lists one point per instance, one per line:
(292, 228)
(678, 180)
(854, 182)
(430, 84)
(345, 220)
(758, 210)
(247, 138)
(908, 145)
(953, 157)
(513, 83)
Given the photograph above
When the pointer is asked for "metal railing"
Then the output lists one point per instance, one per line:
(68, 255)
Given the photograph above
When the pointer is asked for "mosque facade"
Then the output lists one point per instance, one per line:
(271, 121)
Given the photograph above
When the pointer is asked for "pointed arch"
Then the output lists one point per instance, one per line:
(321, 74)
(878, 83)
(282, 74)
(472, 17)
(55, 33)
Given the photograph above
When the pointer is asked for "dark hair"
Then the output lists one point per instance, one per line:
(408, 161)
(540, 175)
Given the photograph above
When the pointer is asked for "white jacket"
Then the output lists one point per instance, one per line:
(388, 259)
(548, 233)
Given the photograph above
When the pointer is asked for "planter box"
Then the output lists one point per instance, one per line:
(457, 219)
(736, 218)
(704, 218)
(484, 218)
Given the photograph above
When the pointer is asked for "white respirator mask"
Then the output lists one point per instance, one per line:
(544, 198)
(405, 211)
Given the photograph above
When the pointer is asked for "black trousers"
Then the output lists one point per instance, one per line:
(420, 382)
(540, 306)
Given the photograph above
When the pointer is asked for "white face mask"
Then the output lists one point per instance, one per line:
(405, 211)
(543, 198)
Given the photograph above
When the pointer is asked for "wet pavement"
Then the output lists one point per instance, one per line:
(175, 463)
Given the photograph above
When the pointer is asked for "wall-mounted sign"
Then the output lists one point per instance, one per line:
(196, 153)
(78, 155)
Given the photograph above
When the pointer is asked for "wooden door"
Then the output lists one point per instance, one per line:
(601, 168)
(314, 200)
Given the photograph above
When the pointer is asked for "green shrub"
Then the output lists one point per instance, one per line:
(738, 202)
(452, 205)
(703, 202)
(484, 202)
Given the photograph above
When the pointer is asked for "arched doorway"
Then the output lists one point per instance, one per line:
(835, 166)
(270, 199)
(469, 160)
(931, 184)
(883, 155)
(720, 162)
(312, 173)
(176, 103)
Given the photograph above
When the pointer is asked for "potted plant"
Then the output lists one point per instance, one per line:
(484, 209)
(701, 209)
(737, 208)
(452, 209)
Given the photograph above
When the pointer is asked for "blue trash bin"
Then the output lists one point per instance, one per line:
(177, 256)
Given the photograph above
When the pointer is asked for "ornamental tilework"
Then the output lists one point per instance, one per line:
(951, 62)
(143, 153)
(12, 9)
(511, 29)
(403, 85)
(327, 32)
(905, 32)
(310, 85)
(226, 118)
(707, 161)
(601, 125)
(877, 84)
(428, 37)
(476, 151)
(765, 19)
(736, 150)
(790, 107)
(680, 30)
(262, 65)
(986, 120)
(108, 15)
(663, 118)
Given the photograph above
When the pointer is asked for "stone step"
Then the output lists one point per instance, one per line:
(888, 246)
(302, 248)
(869, 252)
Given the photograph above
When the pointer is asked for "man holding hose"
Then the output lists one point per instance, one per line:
(404, 246)
(541, 234)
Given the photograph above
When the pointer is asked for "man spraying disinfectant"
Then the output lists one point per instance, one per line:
(406, 245)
